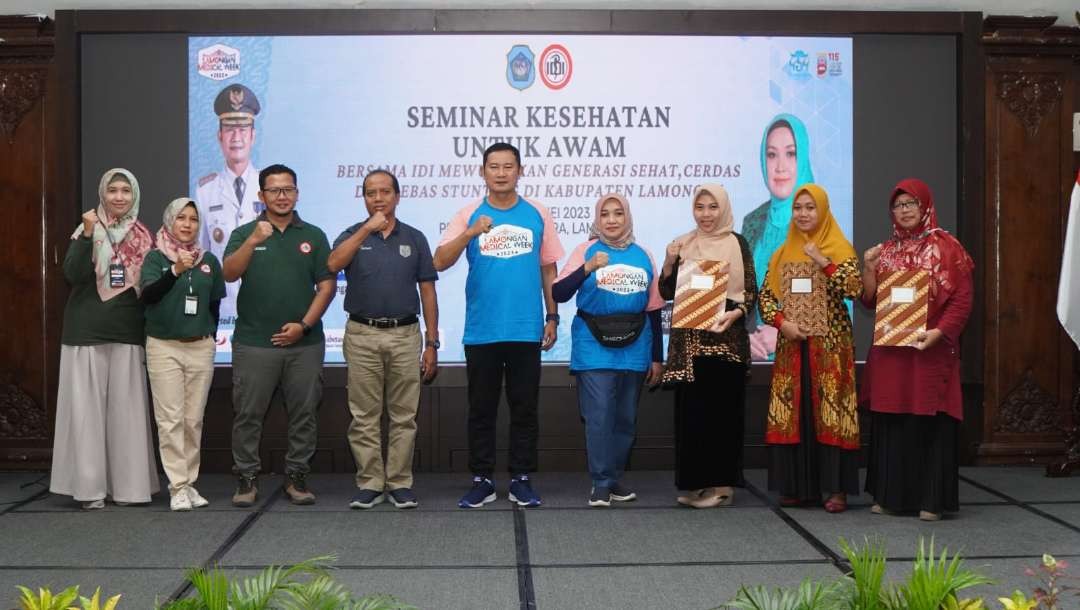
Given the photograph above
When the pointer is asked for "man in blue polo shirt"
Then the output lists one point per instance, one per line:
(385, 260)
(512, 248)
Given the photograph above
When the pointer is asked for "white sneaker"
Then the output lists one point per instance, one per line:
(197, 501)
(94, 505)
(180, 501)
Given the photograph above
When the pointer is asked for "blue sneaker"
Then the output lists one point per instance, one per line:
(403, 497)
(366, 498)
(482, 492)
(521, 491)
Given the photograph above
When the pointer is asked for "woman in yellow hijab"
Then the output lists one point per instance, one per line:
(813, 427)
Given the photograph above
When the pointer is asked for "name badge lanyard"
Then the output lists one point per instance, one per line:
(117, 278)
(191, 301)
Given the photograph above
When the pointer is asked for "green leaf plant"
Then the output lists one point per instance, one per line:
(303, 586)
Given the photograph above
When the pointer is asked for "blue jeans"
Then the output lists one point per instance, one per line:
(608, 402)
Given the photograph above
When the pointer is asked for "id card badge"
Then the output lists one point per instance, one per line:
(802, 285)
(191, 305)
(116, 275)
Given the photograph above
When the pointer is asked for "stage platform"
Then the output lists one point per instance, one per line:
(645, 554)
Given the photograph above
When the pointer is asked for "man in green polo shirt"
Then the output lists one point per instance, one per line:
(278, 339)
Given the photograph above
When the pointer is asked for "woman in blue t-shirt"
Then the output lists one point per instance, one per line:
(616, 340)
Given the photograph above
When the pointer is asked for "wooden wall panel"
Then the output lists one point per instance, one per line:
(1030, 98)
(26, 71)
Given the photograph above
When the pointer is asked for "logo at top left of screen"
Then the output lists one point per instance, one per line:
(219, 62)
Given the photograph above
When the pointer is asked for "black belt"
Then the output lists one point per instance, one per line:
(384, 322)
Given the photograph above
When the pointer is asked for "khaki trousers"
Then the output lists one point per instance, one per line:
(384, 372)
(180, 375)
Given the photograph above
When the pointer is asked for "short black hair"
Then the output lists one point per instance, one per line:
(393, 180)
(276, 168)
(496, 147)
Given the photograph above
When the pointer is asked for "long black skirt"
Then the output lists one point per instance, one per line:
(709, 421)
(913, 462)
(809, 469)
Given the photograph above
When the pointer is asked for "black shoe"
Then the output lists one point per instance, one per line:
(622, 494)
(403, 497)
(600, 496)
(366, 498)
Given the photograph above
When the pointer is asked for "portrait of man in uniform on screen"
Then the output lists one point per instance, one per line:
(229, 198)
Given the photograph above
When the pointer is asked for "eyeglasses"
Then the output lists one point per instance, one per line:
(906, 204)
(273, 193)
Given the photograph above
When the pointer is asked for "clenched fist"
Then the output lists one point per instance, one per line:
(89, 219)
(871, 258)
(377, 222)
(811, 249)
(673, 250)
(184, 261)
(262, 232)
(481, 225)
(600, 259)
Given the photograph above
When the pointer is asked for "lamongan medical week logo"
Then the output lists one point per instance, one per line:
(506, 241)
(218, 62)
(622, 279)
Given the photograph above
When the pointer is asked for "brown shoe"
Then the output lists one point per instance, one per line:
(925, 515)
(246, 492)
(686, 497)
(711, 497)
(297, 490)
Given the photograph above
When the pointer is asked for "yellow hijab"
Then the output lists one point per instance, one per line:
(827, 235)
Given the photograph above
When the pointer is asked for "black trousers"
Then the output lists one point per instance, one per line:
(485, 366)
(709, 425)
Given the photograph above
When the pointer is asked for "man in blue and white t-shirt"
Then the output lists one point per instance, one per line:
(512, 247)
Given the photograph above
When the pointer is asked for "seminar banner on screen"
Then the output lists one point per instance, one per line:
(650, 117)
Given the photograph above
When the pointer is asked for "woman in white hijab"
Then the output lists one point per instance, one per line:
(103, 447)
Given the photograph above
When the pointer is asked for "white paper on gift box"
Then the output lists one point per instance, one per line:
(902, 294)
(802, 285)
(700, 281)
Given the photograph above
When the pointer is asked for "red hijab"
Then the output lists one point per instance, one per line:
(925, 246)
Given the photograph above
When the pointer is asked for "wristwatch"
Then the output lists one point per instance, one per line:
(552, 317)
(433, 343)
(305, 327)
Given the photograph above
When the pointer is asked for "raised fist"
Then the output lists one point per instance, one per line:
(600, 259)
(481, 225)
(377, 222)
(89, 219)
(262, 232)
(184, 261)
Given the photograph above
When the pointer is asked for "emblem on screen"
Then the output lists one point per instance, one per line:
(556, 66)
(798, 65)
(219, 62)
(520, 67)
(829, 64)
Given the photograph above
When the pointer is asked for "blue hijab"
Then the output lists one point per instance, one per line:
(776, 225)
